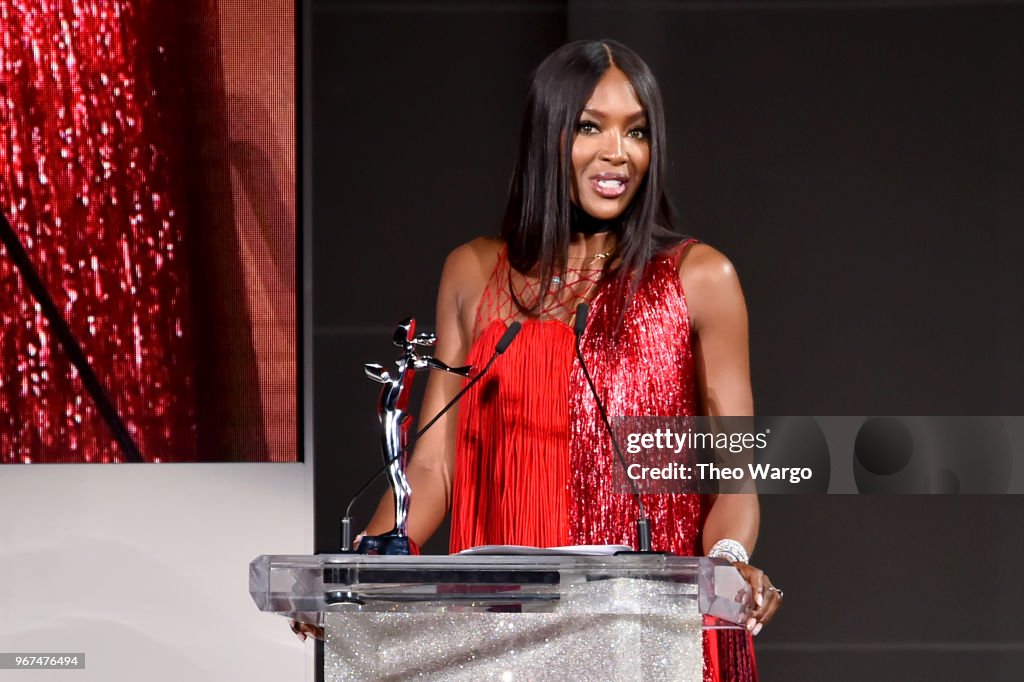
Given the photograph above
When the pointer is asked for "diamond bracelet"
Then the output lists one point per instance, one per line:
(730, 550)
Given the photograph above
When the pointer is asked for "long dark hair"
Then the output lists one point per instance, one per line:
(536, 224)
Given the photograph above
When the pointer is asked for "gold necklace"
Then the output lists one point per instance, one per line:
(596, 256)
(556, 280)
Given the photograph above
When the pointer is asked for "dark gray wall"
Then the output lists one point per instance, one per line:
(861, 165)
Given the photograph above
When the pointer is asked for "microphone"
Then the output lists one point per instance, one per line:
(643, 525)
(503, 343)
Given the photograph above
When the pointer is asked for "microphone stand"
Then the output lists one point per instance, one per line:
(643, 525)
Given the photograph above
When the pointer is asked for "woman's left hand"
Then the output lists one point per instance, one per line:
(767, 597)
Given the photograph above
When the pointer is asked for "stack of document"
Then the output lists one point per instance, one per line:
(523, 550)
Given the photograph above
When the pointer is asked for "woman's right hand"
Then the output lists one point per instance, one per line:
(303, 630)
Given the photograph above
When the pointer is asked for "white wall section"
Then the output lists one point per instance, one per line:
(145, 569)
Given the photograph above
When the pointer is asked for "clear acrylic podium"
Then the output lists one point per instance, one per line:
(544, 617)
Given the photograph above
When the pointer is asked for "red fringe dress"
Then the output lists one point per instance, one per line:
(534, 463)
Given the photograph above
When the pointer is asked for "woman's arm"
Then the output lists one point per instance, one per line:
(432, 465)
(718, 314)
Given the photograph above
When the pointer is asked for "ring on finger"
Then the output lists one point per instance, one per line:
(776, 590)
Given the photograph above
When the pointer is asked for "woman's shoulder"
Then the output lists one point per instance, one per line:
(702, 262)
(708, 278)
(477, 251)
(467, 270)
(474, 260)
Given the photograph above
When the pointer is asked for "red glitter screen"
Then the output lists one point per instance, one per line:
(147, 172)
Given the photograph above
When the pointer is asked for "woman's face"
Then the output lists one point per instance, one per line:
(610, 151)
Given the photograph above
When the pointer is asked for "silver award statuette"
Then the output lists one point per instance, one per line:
(395, 421)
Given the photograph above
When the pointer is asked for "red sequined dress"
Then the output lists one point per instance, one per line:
(534, 464)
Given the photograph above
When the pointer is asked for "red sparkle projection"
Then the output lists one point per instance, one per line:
(183, 307)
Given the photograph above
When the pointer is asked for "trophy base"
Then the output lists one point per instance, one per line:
(389, 544)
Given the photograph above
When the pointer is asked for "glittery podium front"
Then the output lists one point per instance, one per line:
(544, 617)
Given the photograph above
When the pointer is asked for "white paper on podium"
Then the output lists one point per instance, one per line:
(525, 550)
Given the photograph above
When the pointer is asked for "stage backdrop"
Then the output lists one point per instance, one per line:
(147, 166)
(144, 568)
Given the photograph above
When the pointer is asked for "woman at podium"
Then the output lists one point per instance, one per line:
(526, 458)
